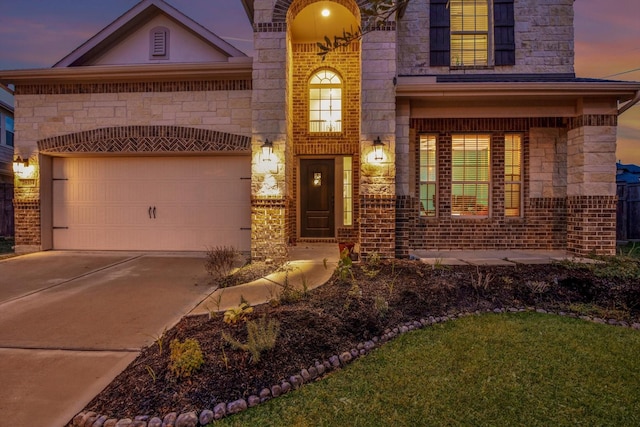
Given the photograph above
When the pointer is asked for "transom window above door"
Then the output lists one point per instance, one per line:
(325, 102)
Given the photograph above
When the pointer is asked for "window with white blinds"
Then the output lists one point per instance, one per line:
(513, 175)
(428, 175)
(325, 102)
(470, 175)
(469, 21)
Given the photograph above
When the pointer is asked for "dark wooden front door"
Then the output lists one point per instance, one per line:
(317, 198)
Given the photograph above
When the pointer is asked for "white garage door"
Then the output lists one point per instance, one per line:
(151, 203)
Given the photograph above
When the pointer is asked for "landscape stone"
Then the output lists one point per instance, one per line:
(335, 361)
(345, 357)
(296, 381)
(235, 407)
(265, 394)
(313, 372)
(169, 420)
(220, 411)
(111, 422)
(253, 400)
(188, 419)
(125, 422)
(304, 373)
(206, 417)
(276, 390)
(99, 422)
(286, 387)
(155, 422)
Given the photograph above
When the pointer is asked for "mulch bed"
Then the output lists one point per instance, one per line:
(337, 316)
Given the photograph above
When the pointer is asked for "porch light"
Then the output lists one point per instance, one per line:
(378, 150)
(267, 150)
(20, 165)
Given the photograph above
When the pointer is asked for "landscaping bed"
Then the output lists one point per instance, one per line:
(348, 311)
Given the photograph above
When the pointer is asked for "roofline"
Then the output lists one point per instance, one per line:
(240, 68)
(427, 87)
(248, 7)
(131, 14)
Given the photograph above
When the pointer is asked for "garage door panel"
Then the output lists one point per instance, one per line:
(104, 203)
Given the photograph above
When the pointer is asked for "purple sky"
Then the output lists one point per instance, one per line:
(38, 33)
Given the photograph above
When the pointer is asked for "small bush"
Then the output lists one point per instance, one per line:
(235, 314)
(261, 336)
(186, 357)
(220, 260)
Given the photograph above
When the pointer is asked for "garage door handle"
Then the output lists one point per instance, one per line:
(154, 212)
(150, 211)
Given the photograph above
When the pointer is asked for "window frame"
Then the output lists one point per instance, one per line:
(474, 213)
(311, 86)
(425, 212)
(516, 182)
(475, 32)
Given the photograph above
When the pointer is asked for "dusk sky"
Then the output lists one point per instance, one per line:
(38, 33)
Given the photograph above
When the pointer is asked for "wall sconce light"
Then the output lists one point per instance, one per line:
(20, 165)
(267, 150)
(378, 150)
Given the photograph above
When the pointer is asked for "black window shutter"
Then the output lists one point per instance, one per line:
(503, 32)
(439, 34)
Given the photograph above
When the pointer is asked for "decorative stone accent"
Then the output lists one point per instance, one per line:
(236, 406)
(189, 419)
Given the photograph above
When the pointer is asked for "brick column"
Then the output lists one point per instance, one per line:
(591, 185)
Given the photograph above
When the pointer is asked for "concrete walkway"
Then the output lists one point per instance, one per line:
(310, 266)
(71, 321)
(493, 257)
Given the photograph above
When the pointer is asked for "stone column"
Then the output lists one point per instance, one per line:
(269, 178)
(377, 181)
(591, 185)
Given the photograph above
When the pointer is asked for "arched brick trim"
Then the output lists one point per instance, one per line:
(146, 139)
(281, 7)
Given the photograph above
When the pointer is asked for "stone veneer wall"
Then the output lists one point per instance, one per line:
(591, 184)
(544, 40)
(190, 116)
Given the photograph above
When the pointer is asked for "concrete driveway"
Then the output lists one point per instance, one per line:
(71, 321)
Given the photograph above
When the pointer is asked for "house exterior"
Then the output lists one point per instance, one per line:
(6, 157)
(454, 124)
(628, 214)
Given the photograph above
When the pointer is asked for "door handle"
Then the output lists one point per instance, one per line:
(154, 212)
(150, 212)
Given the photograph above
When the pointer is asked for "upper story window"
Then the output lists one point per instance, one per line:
(325, 102)
(469, 32)
(8, 128)
(463, 32)
(159, 43)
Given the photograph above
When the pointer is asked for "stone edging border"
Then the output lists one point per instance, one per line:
(316, 372)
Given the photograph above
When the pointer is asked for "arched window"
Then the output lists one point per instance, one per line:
(159, 43)
(325, 102)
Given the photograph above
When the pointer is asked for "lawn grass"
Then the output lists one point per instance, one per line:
(492, 370)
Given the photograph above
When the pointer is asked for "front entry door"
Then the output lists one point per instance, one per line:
(317, 195)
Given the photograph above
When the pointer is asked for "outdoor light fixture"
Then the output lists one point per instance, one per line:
(20, 165)
(378, 147)
(325, 12)
(267, 150)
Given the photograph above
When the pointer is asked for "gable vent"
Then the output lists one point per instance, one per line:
(159, 43)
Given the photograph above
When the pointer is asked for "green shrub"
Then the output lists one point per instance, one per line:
(235, 314)
(261, 336)
(186, 357)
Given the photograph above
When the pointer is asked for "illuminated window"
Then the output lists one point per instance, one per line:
(347, 191)
(325, 102)
(469, 32)
(470, 172)
(159, 41)
(428, 175)
(512, 175)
